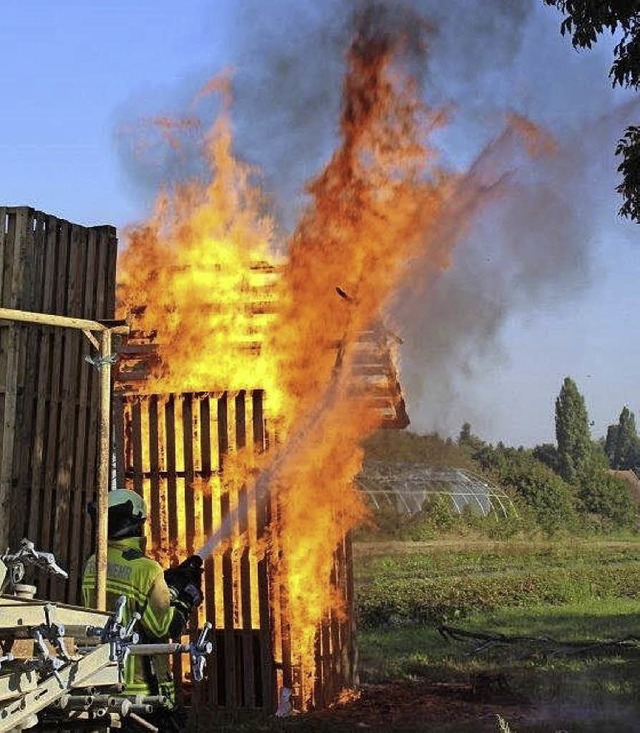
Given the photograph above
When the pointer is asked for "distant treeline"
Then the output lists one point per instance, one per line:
(576, 485)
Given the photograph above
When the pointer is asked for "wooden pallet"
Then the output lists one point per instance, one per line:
(48, 392)
(173, 450)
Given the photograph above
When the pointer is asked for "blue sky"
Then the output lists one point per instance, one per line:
(77, 75)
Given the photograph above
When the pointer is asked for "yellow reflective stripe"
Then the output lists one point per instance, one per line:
(157, 626)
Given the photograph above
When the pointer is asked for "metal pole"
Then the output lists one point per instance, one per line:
(104, 463)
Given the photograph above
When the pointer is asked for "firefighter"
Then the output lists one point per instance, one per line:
(164, 599)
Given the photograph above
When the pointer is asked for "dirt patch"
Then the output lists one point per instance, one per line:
(427, 706)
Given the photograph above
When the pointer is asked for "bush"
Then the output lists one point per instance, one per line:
(550, 499)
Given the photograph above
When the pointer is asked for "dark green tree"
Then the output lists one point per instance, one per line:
(625, 455)
(602, 495)
(585, 21)
(547, 453)
(466, 439)
(610, 443)
(465, 433)
(572, 431)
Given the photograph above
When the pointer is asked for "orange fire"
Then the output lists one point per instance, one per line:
(228, 319)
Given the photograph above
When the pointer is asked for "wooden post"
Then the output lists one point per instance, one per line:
(104, 465)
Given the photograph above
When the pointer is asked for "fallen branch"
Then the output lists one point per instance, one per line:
(541, 644)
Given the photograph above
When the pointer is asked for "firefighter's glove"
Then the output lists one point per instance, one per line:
(185, 584)
(186, 599)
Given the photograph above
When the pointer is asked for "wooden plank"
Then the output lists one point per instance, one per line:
(91, 393)
(60, 284)
(12, 274)
(248, 677)
(136, 445)
(223, 429)
(318, 680)
(68, 413)
(41, 436)
(154, 525)
(325, 660)
(5, 248)
(350, 648)
(27, 371)
(170, 485)
(240, 420)
(207, 418)
(190, 438)
(231, 691)
(269, 651)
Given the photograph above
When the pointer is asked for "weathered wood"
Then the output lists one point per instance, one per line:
(43, 282)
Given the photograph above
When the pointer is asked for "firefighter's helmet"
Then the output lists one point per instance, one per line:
(127, 513)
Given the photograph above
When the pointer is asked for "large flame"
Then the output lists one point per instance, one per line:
(195, 268)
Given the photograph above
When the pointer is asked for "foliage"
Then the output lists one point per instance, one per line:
(547, 453)
(584, 21)
(550, 499)
(469, 441)
(607, 498)
(443, 585)
(572, 431)
(397, 446)
(623, 445)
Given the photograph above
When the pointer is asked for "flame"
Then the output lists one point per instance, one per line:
(195, 267)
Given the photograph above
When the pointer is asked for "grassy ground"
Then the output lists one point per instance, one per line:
(590, 692)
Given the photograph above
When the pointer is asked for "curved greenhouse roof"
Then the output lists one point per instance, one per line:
(406, 487)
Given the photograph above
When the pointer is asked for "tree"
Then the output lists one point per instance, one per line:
(627, 445)
(547, 453)
(465, 433)
(550, 499)
(602, 495)
(572, 431)
(584, 21)
(466, 439)
(610, 444)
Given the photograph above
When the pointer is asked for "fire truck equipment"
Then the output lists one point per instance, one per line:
(65, 664)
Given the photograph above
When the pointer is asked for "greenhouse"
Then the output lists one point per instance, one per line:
(406, 487)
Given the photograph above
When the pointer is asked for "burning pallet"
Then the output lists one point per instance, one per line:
(173, 450)
(374, 372)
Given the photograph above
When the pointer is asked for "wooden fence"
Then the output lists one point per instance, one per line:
(48, 392)
(173, 450)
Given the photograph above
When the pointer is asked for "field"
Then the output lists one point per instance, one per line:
(552, 593)
(571, 591)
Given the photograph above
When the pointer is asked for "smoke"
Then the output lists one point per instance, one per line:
(290, 65)
(529, 222)
(531, 249)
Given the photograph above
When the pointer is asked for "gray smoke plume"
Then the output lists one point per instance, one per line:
(290, 69)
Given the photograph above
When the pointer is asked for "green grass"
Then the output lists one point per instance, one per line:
(573, 590)
(589, 591)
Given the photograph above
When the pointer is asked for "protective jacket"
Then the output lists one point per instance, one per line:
(140, 579)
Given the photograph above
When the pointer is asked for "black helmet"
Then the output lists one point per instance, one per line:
(127, 513)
